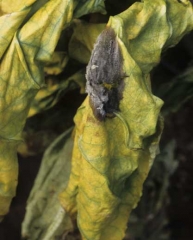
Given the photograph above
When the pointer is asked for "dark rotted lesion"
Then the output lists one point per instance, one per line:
(115, 94)
(105, 76)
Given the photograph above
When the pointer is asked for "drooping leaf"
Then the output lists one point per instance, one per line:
(47, 97)
(21, 78)
(56, 64)
(149, 220)
(83, 39)
(111, 159)
(85, 7)
(45, 218)
(29, 33)
(84, 36)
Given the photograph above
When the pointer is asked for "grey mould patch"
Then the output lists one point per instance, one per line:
(105, 76)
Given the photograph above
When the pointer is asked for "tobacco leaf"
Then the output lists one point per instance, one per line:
(85, 7)
(149, 220)
(83, 39)
(111, 159)
(45, 218)
(30, 31)
(47, 97)
(51, 93)
(57, 63)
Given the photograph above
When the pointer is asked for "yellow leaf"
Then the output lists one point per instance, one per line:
(47, 97)
(21, 77)
(83, 39)
(30, 31)
(111, 158)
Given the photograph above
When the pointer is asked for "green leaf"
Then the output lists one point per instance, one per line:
(45, 218)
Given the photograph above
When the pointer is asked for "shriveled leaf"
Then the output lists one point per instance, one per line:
(149, 219)
(47, 97)
(57, 63)
(83, 39)
(111, 159)
(29, 34)
(45, 218)
(84, 7)
(21, 77)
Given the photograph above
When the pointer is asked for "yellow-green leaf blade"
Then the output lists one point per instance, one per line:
(111, 159)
